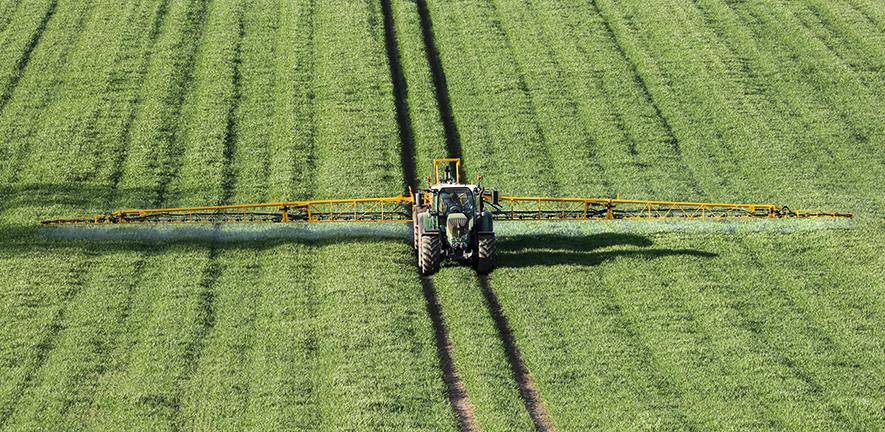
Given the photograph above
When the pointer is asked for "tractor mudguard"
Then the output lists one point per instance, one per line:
(484, 224)
(429, 224)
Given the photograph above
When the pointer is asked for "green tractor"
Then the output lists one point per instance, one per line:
(450, 223)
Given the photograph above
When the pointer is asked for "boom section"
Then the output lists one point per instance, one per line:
(542, 208)
(387, 209)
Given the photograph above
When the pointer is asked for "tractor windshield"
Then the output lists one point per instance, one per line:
(458, 200)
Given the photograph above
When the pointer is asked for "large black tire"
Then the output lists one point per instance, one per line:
(485, 254)
(429, 254)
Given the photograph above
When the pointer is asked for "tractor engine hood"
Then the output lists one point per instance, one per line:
(458, 227)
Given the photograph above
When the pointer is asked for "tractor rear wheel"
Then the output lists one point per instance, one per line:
(429, 254)
(485, 254)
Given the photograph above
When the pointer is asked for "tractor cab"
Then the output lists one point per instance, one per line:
(451, 223)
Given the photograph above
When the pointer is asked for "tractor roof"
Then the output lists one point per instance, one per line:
(452, 186)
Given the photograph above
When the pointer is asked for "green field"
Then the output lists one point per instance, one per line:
(597, 325)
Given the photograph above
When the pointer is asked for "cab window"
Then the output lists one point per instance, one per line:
(457, 200)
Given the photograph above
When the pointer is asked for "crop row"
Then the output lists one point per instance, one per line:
(24, 110)
(42, 124)
(708, 113)
(426, 122)
(203, 103)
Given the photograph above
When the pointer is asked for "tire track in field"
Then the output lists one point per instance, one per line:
(523, 87)
(640, 82)
(440, 84)
(778, 354)
(400, 99)
(455, 389)
(457, 392)
(528, 392)
(105, 345)
(211, 273)
(47, 343)
(123, 151)
(22, 62)
(114, 340)
(837, 43)
(527, 389)
(199, 19)
(229, 179)
(862, 11)
(762, 24)
(24, 133)
(206, 322)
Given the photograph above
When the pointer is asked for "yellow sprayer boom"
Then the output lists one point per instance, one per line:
(450, 220)
(398, 209)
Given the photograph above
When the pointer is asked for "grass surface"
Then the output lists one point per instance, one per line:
(716, 325)
(759, 325)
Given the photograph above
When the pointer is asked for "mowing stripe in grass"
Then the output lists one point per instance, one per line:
(22, 62)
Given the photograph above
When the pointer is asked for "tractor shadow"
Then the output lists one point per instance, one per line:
(524, 251)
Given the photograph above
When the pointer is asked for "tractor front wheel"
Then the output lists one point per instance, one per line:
(485, 254)
(429, 254)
